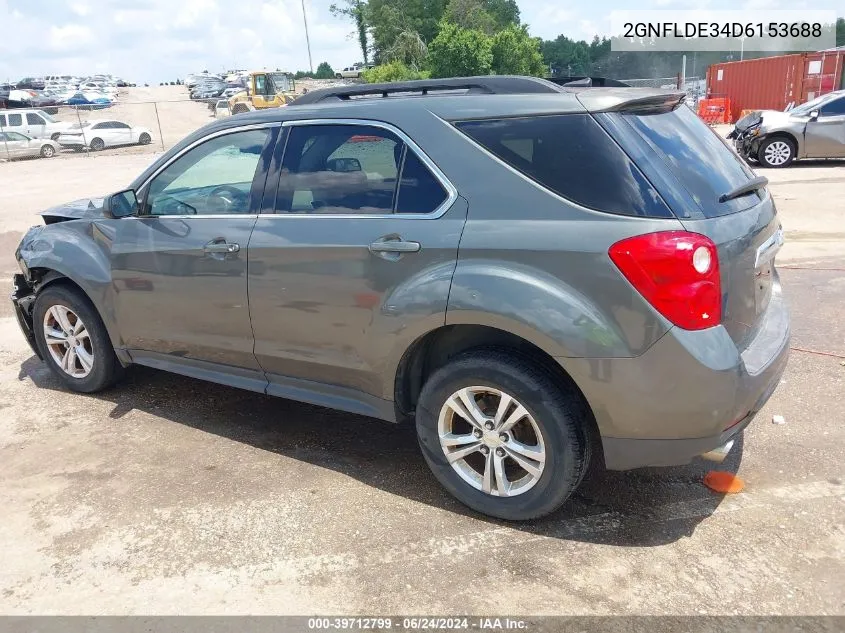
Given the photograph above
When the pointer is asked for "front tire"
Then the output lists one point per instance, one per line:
(73, 340)
(144, 139)
(47, 151)
(776, 152)
(239, 109)
(525, 448)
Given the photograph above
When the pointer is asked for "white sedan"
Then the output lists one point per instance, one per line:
(96, 134)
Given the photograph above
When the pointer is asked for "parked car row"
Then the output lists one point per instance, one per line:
(37, 133)
(96, 92)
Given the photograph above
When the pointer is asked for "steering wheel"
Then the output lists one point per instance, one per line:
(223, 199)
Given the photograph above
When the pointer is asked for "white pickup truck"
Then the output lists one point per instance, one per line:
(350, 72)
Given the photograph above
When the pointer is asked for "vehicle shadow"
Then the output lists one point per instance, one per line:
(643, 508)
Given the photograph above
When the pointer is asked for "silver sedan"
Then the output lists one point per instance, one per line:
(17, 145)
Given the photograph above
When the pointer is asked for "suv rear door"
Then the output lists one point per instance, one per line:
(355, 253)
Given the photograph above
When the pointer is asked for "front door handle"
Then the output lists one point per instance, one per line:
(394, 245)
(221, 247)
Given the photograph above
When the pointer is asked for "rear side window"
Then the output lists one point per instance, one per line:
(419, 190)
(572, 156)
(15, 120)
(699, 159)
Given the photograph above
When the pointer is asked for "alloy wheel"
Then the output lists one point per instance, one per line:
(491, 441)
(778, 152)
(68, 341)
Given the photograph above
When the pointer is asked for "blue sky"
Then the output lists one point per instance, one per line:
(156, 40)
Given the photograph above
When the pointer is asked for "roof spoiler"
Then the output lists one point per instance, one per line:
(588, 82)
(493, 84)
(650, 101)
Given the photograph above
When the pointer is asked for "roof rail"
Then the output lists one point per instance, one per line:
(492, 84)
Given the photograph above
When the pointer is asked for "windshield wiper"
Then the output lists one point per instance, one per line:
(755, 184)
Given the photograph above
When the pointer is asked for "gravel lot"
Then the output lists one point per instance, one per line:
(169, 495)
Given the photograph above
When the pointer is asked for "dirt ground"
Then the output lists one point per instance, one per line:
(169, 495)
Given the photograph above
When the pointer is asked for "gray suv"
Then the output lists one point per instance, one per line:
(537, 276)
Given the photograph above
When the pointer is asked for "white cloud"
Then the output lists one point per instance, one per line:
(80, 8)
(157, 40)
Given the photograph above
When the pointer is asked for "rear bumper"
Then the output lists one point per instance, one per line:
(689, 394)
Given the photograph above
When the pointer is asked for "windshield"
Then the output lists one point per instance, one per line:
(47, 116)
(815, 104)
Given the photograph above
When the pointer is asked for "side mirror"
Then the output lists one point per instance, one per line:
(121, 204)
(343, 165)
(814, 115)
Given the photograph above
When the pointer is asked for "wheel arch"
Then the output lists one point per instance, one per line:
(65, 259)
(789, 136)
(434, 349)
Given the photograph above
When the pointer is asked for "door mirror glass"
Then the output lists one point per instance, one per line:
(122, 204)
(814, 114)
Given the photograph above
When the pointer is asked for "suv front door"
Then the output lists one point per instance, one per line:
(825, 136)
(352, 262)
(179, 267)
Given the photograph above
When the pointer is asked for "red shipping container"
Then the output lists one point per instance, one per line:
(772, 83)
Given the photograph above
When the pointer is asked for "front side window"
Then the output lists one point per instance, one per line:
(34, 119)
(834, 108)
(14, 136)
(211, 179)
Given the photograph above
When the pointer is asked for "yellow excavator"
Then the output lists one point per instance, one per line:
(264, 89)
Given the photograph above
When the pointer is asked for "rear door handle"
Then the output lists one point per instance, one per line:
(388, 245)
(221, 247)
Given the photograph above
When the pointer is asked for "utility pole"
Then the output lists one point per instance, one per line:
(307, 39)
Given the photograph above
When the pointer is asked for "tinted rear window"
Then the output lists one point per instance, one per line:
(572, 156)
(700, 160)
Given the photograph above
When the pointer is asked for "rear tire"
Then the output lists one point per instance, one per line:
(96, 145)
(776, 152)
(92, 364)
(554, 429)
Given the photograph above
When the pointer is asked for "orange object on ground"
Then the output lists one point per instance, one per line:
(723, 482)
(715, 110)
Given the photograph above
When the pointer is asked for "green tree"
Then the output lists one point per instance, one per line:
(387, 19)
(393, 71)
(504, 12)
(470, 14)
(355, 10)
(489, 16)
(457, 52)
(409, 49)
(515, 52)
(324, 71)
(840, 31)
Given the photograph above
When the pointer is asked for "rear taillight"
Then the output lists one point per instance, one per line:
(677, 272)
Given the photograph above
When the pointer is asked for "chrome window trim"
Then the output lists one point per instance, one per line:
(200, 141)
(196, 216)
(451, 191)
